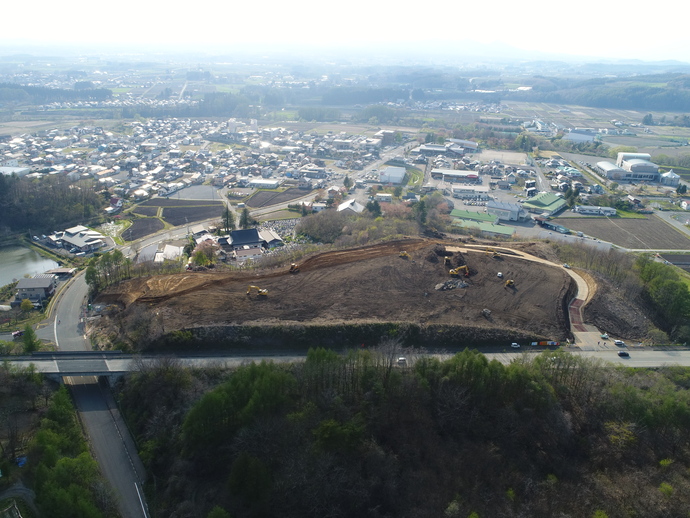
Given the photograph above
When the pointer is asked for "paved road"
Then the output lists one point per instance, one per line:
(639, 357)
(108, 436)
(111, 443)
(69, 333)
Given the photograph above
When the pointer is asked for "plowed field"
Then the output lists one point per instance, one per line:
(367, 284)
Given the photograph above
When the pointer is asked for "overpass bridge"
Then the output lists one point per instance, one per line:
(113, 364)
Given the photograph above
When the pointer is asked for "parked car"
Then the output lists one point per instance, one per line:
(618, 342)
(402, 361)
(623, 354)
(515, 345)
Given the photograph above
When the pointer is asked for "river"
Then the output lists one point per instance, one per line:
(17, 261)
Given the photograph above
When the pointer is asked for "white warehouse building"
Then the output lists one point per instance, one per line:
(506, 211)
(591, 210)
(394, 175)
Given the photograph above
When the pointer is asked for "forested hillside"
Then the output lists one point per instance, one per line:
(360, 435)
(45, 205)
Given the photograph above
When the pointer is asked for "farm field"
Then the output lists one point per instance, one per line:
(180, 215)
(171, 202)
(651, 233)
(265, 198)
(146, 211)
(141, 228)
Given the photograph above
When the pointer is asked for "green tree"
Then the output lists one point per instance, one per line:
(30, 341)
(374, 208)
(245, 219)
(648, 120)
(26, 306)
(397, 192)
(200, 258)
(250, 479)
(228, 219)
(218, 512)
(347, 182)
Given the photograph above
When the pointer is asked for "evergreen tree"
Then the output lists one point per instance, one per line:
(30, 341)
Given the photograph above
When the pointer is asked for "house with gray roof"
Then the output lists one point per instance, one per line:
(36, 289)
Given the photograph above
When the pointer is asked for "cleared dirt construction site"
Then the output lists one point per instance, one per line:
(372, 284)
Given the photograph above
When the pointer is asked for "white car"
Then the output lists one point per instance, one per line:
(618, 342)
(515, 345)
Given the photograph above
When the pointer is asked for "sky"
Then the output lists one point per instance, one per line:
(604, 29)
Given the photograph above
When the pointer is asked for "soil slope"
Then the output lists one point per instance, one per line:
(367, 284)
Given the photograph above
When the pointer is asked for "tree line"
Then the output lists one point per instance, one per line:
(47, 204)
(668, 294)
(10, 92)
(362, 434)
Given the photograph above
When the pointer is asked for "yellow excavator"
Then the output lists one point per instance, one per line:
(258, 291)
(456, 271)
(509, 283)
(404, 254)
(294, 268)
(492, 252)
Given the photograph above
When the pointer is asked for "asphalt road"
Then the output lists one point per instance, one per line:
(110, 443)
(69, 333)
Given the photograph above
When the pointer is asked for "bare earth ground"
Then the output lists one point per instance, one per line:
(367, 284)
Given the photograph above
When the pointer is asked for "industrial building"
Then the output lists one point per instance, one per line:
(545, 203)
(506, 211)
(636, 170)
(455, 176)
(470, 192)
(394, 175)
(624, 157)
(590, 210)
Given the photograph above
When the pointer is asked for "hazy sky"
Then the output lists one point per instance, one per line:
(599, 28)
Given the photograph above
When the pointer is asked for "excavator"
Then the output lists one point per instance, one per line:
(258, 290)
(456, 271)
(493, 253)
(404, 254)
(509, 283)
(294, 268)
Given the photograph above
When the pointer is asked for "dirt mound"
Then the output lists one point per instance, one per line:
(367, 284)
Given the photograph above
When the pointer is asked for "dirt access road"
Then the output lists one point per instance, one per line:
(366, 284)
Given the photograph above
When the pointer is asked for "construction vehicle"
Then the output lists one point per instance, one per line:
(456, 271)
(294, 268)
(446, 260)
(258, 290)
(492, 252)
(509, 283)
(404, 254)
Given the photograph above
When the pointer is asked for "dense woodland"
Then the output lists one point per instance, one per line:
(360, 435)
(38, 421)
(47, 204)
(23, 94)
